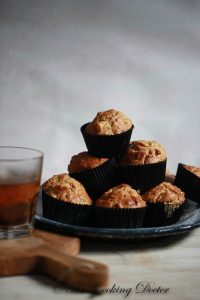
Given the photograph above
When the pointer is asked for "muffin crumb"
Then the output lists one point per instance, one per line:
(165, 193)
(65, 188)
(192, 169)
(84, 161)
(121, 196)
(109, 122)
(143, 152)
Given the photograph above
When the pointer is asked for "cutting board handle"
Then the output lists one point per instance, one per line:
(76, 272)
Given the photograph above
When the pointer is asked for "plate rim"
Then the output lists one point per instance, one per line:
(121, 233)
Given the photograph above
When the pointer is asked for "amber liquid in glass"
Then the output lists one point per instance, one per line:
(17, 203)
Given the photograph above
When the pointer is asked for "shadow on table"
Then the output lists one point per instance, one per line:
(142, 244)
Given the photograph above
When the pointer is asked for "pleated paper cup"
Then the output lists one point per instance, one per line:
(99, 179)
(163, 214)
(64, 212)
(188, 183)
(120, 217)
(143, 177)
(106, 145)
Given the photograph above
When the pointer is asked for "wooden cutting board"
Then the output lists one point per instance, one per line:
(54, 255)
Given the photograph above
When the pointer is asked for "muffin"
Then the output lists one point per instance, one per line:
(65, 200)
(96, 174)
(143, 165)
(120, 207)
(108, 135)
(188, 179)
(165, 203)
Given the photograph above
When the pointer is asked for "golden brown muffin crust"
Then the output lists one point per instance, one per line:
(109, 122)
(165, 193)
(68, 189)
(143, 152)
(84, 161)
(194, 170)
(121, 196)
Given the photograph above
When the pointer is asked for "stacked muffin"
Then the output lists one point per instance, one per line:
(119, 179)
(108, 135)
(143, 165)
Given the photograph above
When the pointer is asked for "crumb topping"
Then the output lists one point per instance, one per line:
(68, 189)
(194, 170)
(109, 122)
(121, 196)
(84, 161)
(143, 152)
(165, 193)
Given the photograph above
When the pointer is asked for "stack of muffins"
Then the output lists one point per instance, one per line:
(116, 183)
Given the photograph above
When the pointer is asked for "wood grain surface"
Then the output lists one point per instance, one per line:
(172, 262)
(53, 255)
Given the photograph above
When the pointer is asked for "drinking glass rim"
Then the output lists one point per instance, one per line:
(40, 154)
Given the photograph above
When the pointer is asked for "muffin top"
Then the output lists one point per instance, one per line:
(109, 122)
(143, 152)
(67, 189)
(194, 170)
(84, 161)
(121, 196)
(165, 193)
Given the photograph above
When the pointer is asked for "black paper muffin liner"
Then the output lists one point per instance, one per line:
(119, 217)
(143, 177)
(162, 214)
(188, 183)
(64, 212)
(98, 180)
(106, 145)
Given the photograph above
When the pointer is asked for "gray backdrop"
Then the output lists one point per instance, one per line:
(63, 61)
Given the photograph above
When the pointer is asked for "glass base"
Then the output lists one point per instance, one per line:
(15, 232)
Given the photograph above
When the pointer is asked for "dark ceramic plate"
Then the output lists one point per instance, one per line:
(190, 219)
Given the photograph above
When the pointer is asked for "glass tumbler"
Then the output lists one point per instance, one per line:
(20, 174)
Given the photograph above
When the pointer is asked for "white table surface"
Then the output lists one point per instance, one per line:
(172, 262)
